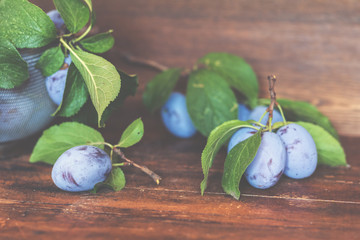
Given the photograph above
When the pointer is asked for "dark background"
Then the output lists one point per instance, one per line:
(312, 46)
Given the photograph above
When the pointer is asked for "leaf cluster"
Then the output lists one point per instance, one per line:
(211, 89)
(91, 78)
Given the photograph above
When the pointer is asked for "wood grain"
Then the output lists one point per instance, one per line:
(326, 205)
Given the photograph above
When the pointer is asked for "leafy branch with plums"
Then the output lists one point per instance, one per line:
(221, 102)
(85, 87)
(265, 138)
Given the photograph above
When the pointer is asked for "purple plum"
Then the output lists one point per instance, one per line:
(243, 112)
(176, 117)
(56, 18)
(80, 168)
(301, 151)
(258, 111)
(269, 163)
(55, 83)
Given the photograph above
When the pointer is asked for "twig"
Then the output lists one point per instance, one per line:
(145, 169)
(145, 62)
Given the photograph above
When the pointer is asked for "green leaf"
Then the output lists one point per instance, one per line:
(59, 138)
(87, 113)
(158, 90)
(99, 43)
(25, 24)
(132, 134)
(238, 159)
(218, 137)
(330, 151)
(303, 111)
(210, 101)
(74, 12)
(51, 61)
(116, 181)
(101, 78)
(75, 94)
(13, 69)
(236, 71)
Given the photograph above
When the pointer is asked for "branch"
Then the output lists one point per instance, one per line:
(144, 62)
(272, 81)
(145, 169)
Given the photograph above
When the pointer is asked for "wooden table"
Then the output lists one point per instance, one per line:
(324, 206)
(311, 44)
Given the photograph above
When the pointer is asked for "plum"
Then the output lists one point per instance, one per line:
(301, 151)
(240, 136)
(269, 163)
(80, 168)
(243, 112)
(56, 18)
(55, 84)
(176, 117)
(258, 111)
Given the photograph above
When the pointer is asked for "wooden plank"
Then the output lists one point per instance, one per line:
(327, 205)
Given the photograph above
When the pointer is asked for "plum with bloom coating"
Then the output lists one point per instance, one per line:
(257, 112)
(269, 163)
(243, 112)
(55, 83)
(56, 18)
(80, 168)
(176, 117)
(239, 136)
(301, 151)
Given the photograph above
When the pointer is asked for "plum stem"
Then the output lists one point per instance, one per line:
(121, 164)
(270, 109)
(150, 63)
(145, 62)
(281, 112)
(261, 118)
(88, 29)
(145, 169)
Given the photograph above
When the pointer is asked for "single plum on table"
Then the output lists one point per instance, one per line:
(176, 117)
(80, 168)
(301, 151)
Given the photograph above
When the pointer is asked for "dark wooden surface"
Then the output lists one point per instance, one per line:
(324, 206)
(311, 45)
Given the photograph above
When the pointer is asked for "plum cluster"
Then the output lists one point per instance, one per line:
(290, 151)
